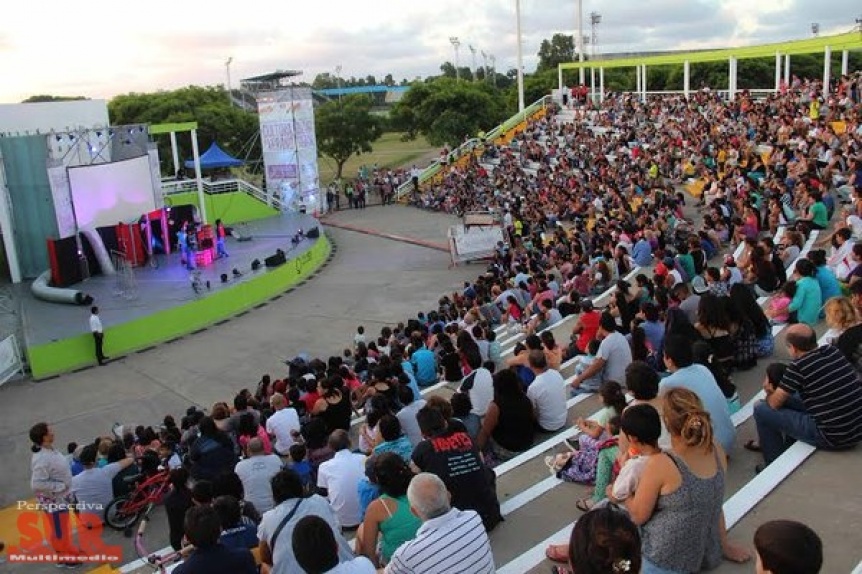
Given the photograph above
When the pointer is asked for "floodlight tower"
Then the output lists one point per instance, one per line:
(815, 28)
(456, 44)
(227, 69)
(484, 66)
(520, 56)
(579, 40)
(473, 53)
(493, 59)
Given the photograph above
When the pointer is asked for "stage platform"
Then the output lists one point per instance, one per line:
(162, 305)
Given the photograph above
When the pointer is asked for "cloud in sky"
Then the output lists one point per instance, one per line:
(102, 50)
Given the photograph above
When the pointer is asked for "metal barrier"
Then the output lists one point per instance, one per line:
(125, 283)
(171, 187)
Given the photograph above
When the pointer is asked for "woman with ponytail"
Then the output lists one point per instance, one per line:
(678, 502)
(51, 482)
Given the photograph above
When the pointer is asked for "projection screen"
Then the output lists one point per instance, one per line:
(109, 193)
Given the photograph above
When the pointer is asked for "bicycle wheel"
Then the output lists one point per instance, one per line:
(117, 518)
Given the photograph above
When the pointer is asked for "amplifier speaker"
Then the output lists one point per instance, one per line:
(275, 260)
(313, 233)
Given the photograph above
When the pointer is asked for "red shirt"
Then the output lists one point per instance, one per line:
(589, 328)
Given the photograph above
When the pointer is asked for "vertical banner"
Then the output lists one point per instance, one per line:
(290, 147)
(58, 179)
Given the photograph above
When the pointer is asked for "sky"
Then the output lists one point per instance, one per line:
(100, 49)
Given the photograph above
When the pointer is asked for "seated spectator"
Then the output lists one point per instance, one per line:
(93, 486)
(212, 453)
(283, 425)
(450, 454)
(234, 532)
(333, 406)
(299, 463)
(338, 480)
(316, 550)
(508, 425)
(203, 528)
(407, 414)
(276, 528)
(462, 411)
(454, 537)
(393, 439)
(605, 541)
(255, 472)
(807, 302)
(424, 363)
(613, 356)
(388, 522)
(246, 429)
(229, 484)
(479, 385)
(818, 401)
(685, 373)
(787, 547)
(547, 393)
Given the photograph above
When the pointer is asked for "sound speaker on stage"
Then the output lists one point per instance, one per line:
(313, 233)
(275, 260)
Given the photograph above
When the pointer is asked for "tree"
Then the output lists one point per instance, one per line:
(46, 98)
(345, 127)
(559, 49)
(217, 119)
(446, 111)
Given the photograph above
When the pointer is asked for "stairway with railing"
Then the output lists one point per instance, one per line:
(500, 134)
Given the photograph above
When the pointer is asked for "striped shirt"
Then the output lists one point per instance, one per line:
(450, 544)
(831, 390)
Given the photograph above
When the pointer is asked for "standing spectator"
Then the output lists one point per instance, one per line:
(98, 335)
(283, 425)
(255, 472)
(818, 401)
(212, 453)
(338, 480)
(450, 540)
(787, 547)
(276, 528)
(547, 393)
(177, 502)
(203, 528)
(51, 482)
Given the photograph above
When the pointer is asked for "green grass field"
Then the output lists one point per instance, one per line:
(389, 151)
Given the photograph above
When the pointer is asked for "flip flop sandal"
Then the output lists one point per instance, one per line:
(554, 554)
(752, 445)
(584, 504)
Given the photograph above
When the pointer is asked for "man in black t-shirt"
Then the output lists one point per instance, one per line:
(449, 452)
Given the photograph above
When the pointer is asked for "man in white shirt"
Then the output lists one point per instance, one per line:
(98, 334)
(449, 540)
(480, 386)
(338, 480)
(547, 392)
(93, 486)
(613, 357)
(283, 425)
(255, 472)
(407, 414)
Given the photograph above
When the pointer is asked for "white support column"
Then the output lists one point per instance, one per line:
(175, 152)
(686, 78)
(579, 42)
(731, 78)
(638, 79)
(198, 178)
(787, 70)
(8, 229)
(644, 82)
(827, 70)
(777, 71)
(845, 61)
(601, 85)
(592, 85)
(560, 83)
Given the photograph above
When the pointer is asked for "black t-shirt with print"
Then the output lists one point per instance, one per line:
(453, 457)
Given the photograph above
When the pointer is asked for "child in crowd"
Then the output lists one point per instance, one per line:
(461, 407)
(168, 456)
(777, 311)
(640, 426)
(300, 464)
(235, 533)
(581, 464)
(359, 337)
(582, 363)
(614, 400)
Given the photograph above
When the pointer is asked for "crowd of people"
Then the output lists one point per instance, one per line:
(586, 204)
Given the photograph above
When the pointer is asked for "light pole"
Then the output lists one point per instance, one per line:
(456, 43)
(580, 40)
(520, 57)
(473, 69)
(493, 59)
(815, 29)
(227, 69)
(338, 75)
(595, 20)
(484, 66)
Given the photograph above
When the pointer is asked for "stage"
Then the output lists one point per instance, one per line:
(157, 303)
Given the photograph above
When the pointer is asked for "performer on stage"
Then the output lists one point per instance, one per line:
(183, 243)
(220, 235)
(192, 247)
(98, 334)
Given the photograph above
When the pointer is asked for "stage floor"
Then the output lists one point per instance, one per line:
(163, 287)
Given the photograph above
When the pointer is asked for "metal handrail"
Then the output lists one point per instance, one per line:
(470, 145)
(171, 187)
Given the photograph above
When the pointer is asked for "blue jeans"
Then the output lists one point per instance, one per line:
(648, 567)
(778, 429)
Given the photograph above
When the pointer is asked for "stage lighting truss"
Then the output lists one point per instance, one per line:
(87, 146)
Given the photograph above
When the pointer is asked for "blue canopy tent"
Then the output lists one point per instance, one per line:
(215, 157)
